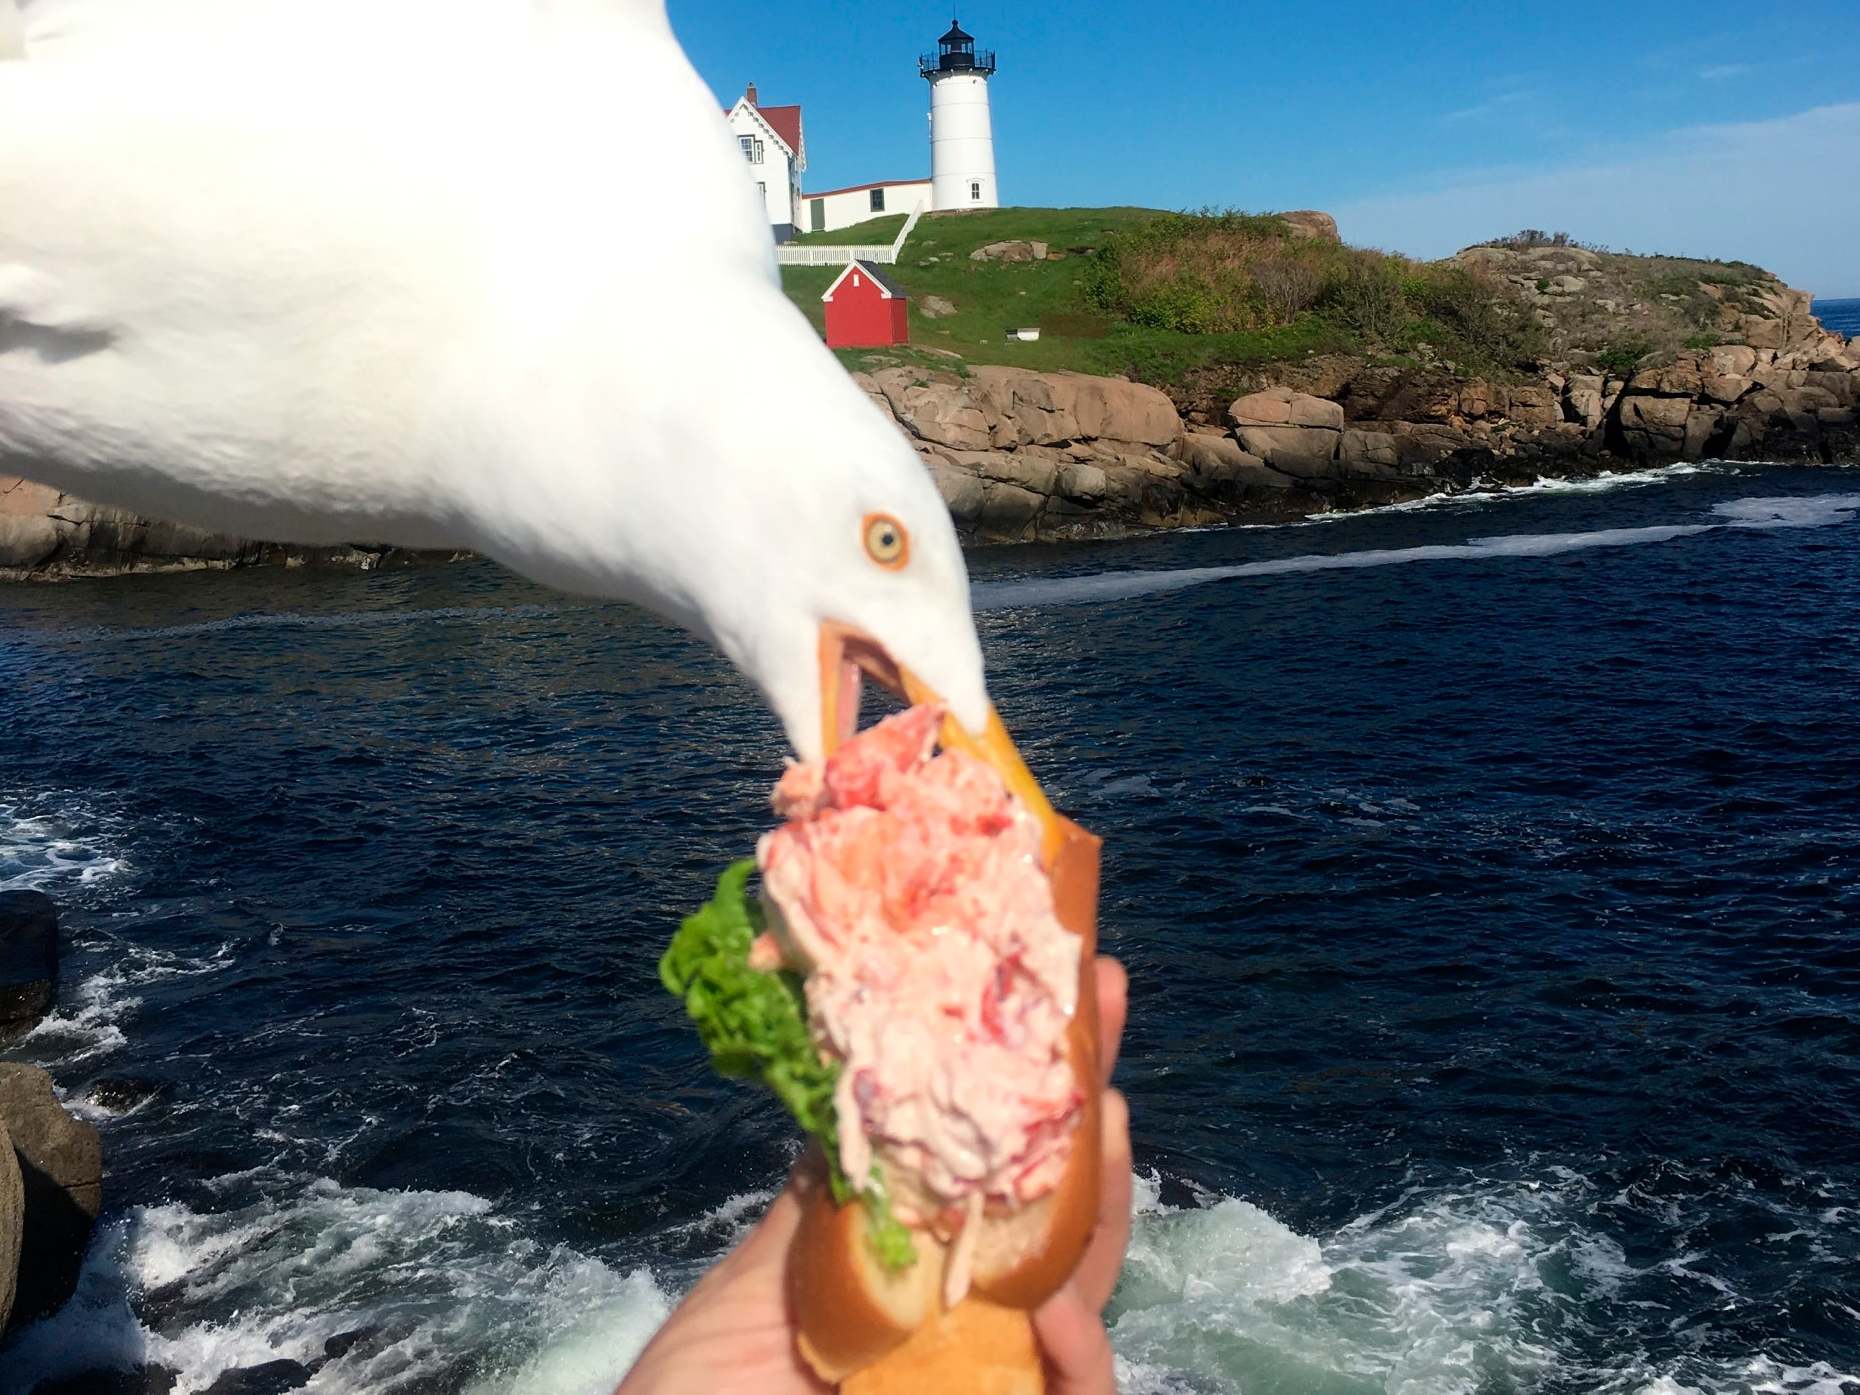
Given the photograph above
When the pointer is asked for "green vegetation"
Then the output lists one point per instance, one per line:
(1623, 358)
(883, 231)
(755, 1025)
(1233, 273)
(1162, 296)
(1179, 299)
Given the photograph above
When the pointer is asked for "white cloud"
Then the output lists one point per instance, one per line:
(1490, 105)
(1718, 72)
(1783, 193)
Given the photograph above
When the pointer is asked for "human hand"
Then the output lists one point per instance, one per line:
(733, 1335)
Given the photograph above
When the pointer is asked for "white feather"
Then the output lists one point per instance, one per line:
(12, 32)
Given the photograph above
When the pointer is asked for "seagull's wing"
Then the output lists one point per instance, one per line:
(263, 289)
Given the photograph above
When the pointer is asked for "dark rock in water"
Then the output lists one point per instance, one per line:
(144, 1380)
(121, 1093)
(28, 959)
(273, 1378)
(342, 1343)
(61, 1166)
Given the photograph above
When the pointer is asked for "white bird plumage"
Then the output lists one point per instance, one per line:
(394, 270)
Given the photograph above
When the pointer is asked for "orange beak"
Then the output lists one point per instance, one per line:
(848, 655)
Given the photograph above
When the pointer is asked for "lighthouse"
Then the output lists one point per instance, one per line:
(962, 138)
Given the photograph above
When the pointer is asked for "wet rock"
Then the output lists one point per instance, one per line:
(28, 960)
(143, 1380)
(272, 1378)
(1008, 511)
(1701, 426)
(118, 1094)
(61, 1167)
(12, 1222)
(343, 1343)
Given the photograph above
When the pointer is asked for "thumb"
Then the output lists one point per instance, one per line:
(1077, 1348)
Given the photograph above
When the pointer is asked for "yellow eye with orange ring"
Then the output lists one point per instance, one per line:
(886, 542)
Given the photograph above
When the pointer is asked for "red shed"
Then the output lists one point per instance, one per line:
(866, 309)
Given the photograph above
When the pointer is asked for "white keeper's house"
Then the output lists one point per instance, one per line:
(962, 150)
(776, 148)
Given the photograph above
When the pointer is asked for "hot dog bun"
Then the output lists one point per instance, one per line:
(877, 1333)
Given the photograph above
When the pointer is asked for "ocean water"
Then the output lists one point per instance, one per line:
(1488, 870)
(1841, 316)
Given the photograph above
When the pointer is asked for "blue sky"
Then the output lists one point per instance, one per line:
(1707, 128)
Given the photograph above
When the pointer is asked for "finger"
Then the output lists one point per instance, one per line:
(1077, 1348)
(1096, 1275)
(1113, 1005)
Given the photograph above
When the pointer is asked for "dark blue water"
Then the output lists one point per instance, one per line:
(1841, 316)
(1488, 872)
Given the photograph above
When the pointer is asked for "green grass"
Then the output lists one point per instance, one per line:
(874, 230)
(1078, 331)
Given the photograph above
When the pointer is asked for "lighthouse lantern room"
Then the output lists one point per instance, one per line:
(962, 140)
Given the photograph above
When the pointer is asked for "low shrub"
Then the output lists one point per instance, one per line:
(1622, 358)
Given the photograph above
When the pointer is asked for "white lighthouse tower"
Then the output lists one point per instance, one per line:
(962, 138)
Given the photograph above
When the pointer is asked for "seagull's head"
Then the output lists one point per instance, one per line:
(792, 525)
(854, 574)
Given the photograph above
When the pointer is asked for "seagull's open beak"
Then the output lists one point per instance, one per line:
(847, 655)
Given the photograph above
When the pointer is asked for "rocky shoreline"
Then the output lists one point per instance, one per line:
(1020, 455)
(51, 1163)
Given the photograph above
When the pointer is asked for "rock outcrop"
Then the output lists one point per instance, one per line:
(28, 960)
(1019, 454)
(1019, 251)
(12, 1222)
(1312, 225)
(60, 1161)
(47, 534)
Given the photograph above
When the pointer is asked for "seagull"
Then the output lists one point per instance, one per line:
(472, 274)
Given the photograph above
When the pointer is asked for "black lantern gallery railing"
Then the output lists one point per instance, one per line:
(957, 61)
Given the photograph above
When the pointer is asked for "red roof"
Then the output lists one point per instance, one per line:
(786, 123)
(875, 184)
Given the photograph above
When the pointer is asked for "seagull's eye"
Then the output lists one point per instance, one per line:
(886, 542)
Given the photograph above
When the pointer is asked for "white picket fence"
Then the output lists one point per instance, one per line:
(839, 256)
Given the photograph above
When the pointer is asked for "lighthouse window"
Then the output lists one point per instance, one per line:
(975, 191)
(752, 149)
(878, 200)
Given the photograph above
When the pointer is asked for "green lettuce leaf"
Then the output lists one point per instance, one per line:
(755, 1026)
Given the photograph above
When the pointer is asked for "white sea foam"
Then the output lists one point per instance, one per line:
(1482, 493)
(55, 843)
(436, 1281)
(1446, 1291)
(87, 1021)
(1810, 512)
